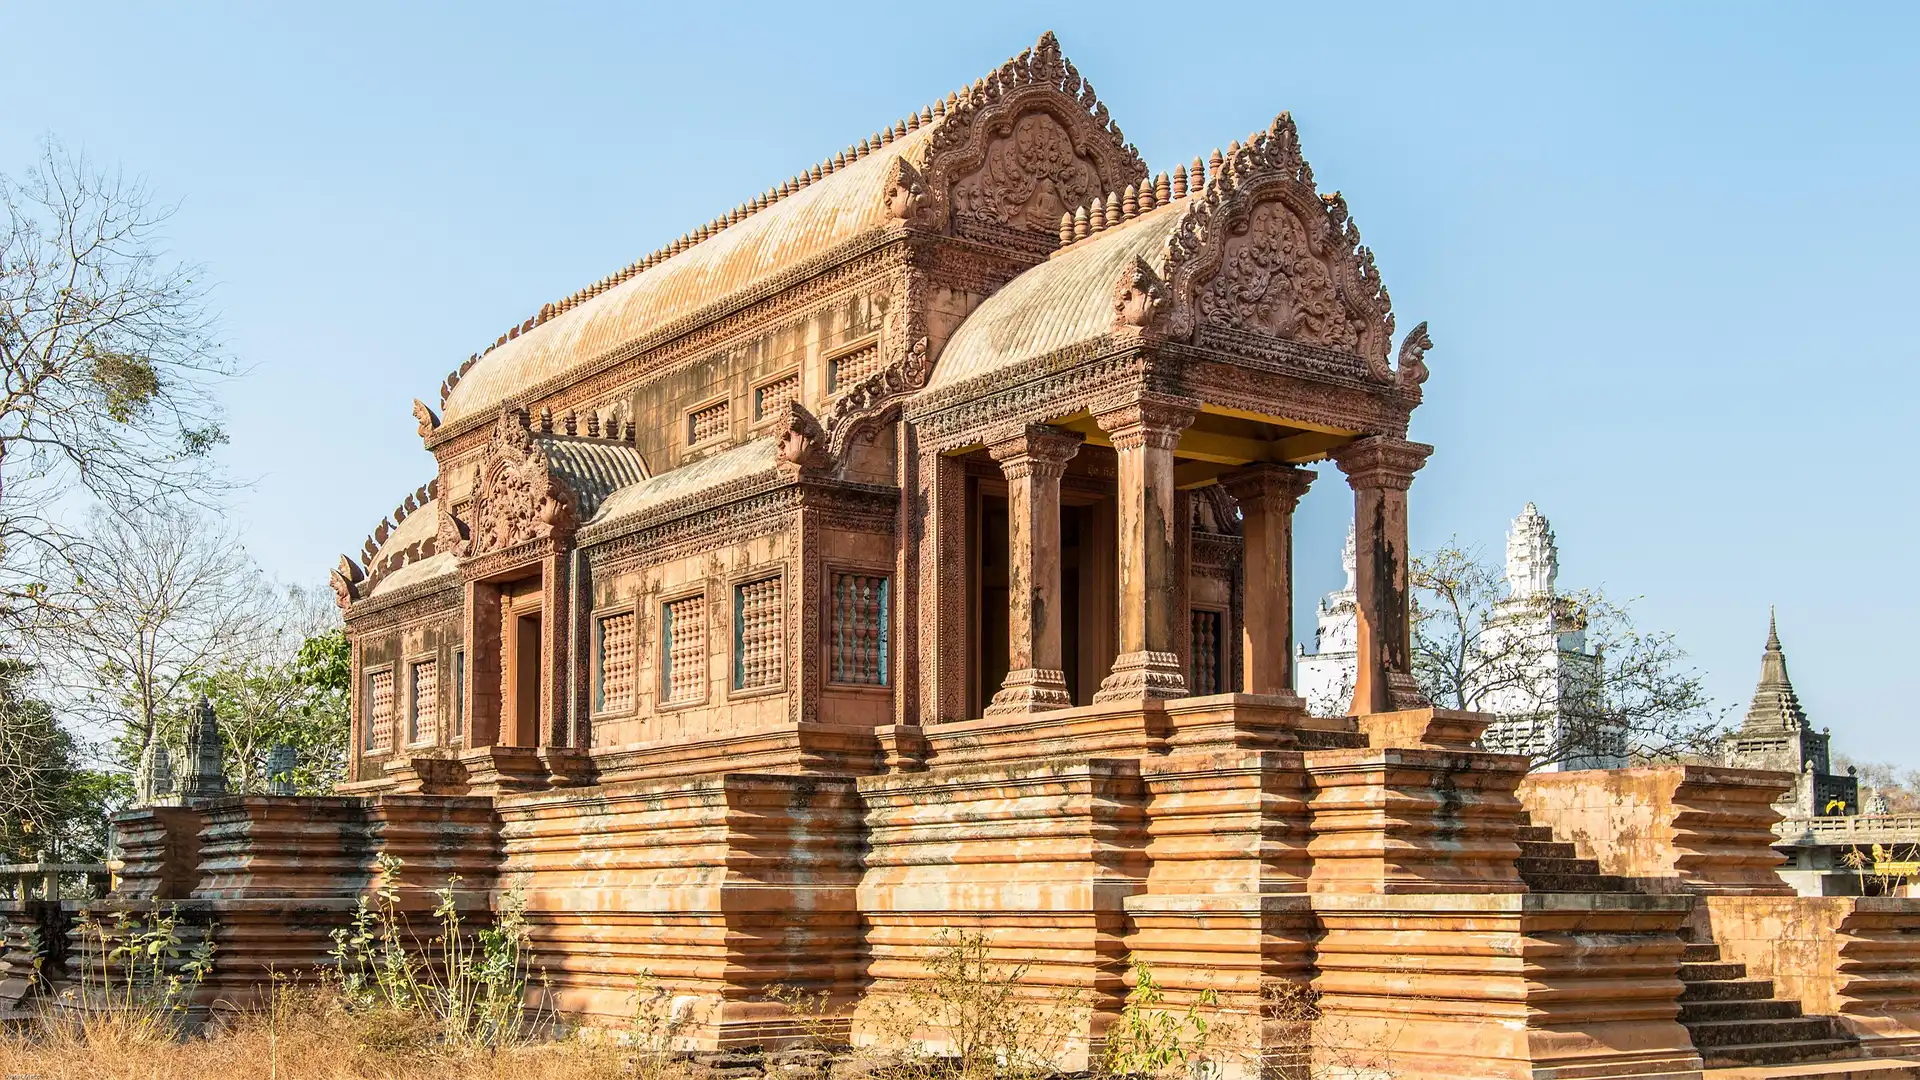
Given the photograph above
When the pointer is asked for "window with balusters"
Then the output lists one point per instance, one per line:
(857, 632)
(683, 650)
(757, 641)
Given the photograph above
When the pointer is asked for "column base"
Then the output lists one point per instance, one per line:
(1404, 693)
(1138, 675)
(1031, 690)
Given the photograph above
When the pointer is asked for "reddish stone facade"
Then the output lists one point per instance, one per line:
(910, 548)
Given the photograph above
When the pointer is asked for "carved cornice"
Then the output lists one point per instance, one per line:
(410, 603)
(1379, 462)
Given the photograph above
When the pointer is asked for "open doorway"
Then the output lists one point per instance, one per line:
(520, 667)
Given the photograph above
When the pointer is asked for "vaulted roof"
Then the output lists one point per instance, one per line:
(936, 170)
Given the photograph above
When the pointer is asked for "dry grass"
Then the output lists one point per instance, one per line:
(303, 1035)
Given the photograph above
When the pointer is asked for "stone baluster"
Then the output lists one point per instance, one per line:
(1267, 494)
(1380, 470)
(1033, 462)
(1144, 433)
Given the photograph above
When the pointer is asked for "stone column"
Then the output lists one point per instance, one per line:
(1144, 433)
(1033, 462)
(1267, 495)
(1380, 470)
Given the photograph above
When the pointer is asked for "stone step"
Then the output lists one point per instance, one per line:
(1768, 1008)
(1729, 1033)
(1854, 1069)
(1700, 952)
(1576, 883)
(1563, 867)
(1534, 834)
(1713, 972)
(1776, 1053)
(1535, 849)
(1727, 990)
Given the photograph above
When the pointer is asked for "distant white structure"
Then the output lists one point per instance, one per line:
(1535, 661)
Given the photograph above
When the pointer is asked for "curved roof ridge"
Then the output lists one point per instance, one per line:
(1041, 63)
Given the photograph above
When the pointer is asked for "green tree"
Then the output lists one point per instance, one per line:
(49, 801)
(295, 697)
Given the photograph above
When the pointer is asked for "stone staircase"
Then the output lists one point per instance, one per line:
(1553, 866)
(1735, 1020)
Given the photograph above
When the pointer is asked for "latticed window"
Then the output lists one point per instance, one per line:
(683, 644)
(771, 398)
(709, 423)
(1205, 677)
(426, 695)
(379, 710)
(756, 634)
(617, 665)
(858, 646)
(844, 371)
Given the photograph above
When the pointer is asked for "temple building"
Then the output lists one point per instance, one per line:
(909, 550)
(1532, 666)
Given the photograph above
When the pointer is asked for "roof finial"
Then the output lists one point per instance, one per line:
(1214, 161)
(1114, 213)
(1082, 224)
(1161, 191)
(1773, 630)
(1097, 215)
(1179, 186)
(1066, 229)
(1130, 203)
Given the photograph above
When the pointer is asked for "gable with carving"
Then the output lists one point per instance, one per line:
(1259, 251)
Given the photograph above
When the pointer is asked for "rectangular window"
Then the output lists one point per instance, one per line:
(426, 695)
(616, 663)
(1205, 677)
(857, 650)
(379, 710)
(771, 398)
(710, 422)
(683, 648)
(843, 371)
(756, 634)
(458, 707)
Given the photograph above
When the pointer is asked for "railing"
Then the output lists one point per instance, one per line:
(1851, 829)
(17, 880)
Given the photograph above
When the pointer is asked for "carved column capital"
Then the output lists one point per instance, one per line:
(1035, 450)
(1150, 420)
(1265, 485)
(1381, 461)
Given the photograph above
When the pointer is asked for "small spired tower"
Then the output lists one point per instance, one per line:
(1541, 674)
(206, 756)
(1777, 735)
(153, 783)
(1324, 678)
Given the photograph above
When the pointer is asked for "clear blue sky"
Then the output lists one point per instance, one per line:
(1668, 251)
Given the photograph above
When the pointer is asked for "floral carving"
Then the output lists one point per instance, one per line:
(516, 499)
(1259, 250)
(1031, 175)
(1272, 281)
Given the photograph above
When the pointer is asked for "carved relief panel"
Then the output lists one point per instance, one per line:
(1032, 173)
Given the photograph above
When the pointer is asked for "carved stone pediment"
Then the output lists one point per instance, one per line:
(516, 498)
(1023, 146)
(1259, 251)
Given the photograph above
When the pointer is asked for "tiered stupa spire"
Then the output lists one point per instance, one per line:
(1775, 707)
